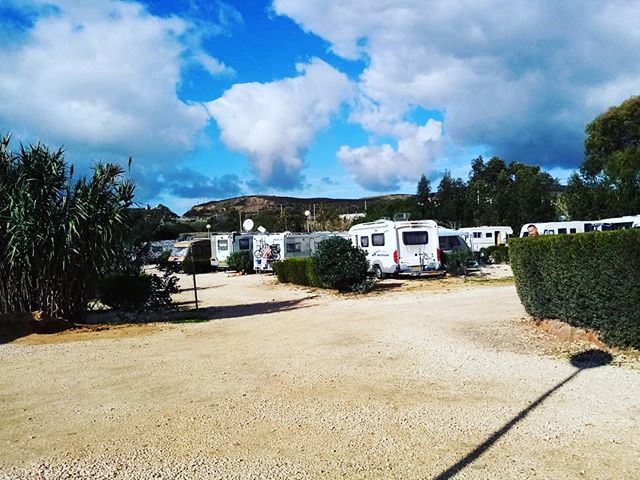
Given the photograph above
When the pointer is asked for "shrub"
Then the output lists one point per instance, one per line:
(591, 280)
(497, 254)
(296, 270)
(240, 262)
(338, 264)
(124, 291)
(458, 262)
(198, 265)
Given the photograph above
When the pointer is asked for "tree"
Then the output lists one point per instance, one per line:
(58, 236)
(424, 199)
(608, 183)
(451, 202)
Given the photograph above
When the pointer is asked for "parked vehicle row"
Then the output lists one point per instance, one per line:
(581, 226)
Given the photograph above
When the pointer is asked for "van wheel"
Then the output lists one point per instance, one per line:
(377, 272)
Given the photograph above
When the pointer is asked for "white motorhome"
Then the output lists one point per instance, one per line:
(615, 223)
(224, 244)
(407, 247)
(271, 247)
(486, 236)
(554, 228)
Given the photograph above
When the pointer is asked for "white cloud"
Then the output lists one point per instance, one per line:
(522, 76)
(101, 76)
(213, 65)
(383, 168)
(274, 123)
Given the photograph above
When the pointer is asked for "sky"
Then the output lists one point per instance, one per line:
(348, 98)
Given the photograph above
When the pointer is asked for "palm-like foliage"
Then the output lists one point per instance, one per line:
(57, 236)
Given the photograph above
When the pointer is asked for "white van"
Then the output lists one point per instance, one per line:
(407, 247)
(452, 240)
(486, 236)
(271, 247)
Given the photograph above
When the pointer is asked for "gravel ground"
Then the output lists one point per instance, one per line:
(424, 379)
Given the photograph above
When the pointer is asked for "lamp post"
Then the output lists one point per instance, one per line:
(306, 214)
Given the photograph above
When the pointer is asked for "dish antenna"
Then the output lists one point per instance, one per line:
(247, 225)
(261, 229)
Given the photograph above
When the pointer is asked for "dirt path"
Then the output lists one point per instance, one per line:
(292, 383)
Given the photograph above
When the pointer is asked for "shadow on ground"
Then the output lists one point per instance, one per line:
(582, 361)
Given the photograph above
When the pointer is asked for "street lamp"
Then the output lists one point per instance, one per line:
(209, 231)
(306, 214)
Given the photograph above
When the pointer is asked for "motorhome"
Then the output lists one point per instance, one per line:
(486, 236)
(199, 248)
(581, 226)
(406, 247)
(271, 247)
(554, 228)
(224, 244)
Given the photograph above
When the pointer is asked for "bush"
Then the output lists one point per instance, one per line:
(124, 291)
(296, 270)
(198, 265)
(338, 264)
(591, 280)
(497, 253)
(240, 262)
(458, 262)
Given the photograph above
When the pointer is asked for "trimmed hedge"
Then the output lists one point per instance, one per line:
(589, 280)
(296, 270)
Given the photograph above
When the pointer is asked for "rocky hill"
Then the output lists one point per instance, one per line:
(252, 204)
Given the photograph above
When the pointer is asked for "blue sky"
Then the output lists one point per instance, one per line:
(311, 98)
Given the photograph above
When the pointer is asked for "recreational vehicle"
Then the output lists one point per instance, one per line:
(555, 228)
(616, 223)
(224, 244)
(271, 247)
(407, 247)
(483, 237)
(199, 248)
(452, 240)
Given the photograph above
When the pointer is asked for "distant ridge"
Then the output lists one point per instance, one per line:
(251, 204)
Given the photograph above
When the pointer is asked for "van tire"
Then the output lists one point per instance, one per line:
(377, 272)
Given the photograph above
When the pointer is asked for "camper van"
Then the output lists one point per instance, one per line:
(616, 223)
(486, 236)
(452, 240)
(271, 247)
(407, 247)
(224, 244)
(200, 248)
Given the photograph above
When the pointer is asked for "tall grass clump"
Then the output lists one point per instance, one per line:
(58, 236)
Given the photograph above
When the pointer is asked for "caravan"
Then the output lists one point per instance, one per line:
(224, 244)
(555, 228)
(407, 247)
(483, 237)
(271, 247)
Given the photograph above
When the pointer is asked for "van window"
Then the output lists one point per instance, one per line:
(449, 242)
(562, 231)
(572, 230)
(477, 234)
(294, 247)
(549, 232)
(364, 242)
(223, 245)
(243, 244)
(415, 238)
(377, 239)
(488, 234)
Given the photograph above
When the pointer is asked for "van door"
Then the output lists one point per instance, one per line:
(417, 248)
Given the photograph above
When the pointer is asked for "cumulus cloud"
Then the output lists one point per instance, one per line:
(274, 123)
(382, 168)
(102, 76)
(523, 77)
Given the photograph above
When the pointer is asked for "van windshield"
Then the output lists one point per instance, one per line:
(415, 238)
(179, 251)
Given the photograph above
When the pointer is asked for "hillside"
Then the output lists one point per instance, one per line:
(252, 204)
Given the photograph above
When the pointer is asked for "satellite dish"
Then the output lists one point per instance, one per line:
(247, 225)
(261, 229)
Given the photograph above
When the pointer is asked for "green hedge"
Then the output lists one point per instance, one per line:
(296, 270)
(589, 280)
(240, 262)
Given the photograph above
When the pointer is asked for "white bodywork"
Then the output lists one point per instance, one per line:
(581, 226)
(407, 247)
(271, 247)
(224, 244)
(486, 236)
(554, 228)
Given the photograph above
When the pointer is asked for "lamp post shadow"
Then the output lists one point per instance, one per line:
(588, 359)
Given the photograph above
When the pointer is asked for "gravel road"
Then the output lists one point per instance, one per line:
(419, 380)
